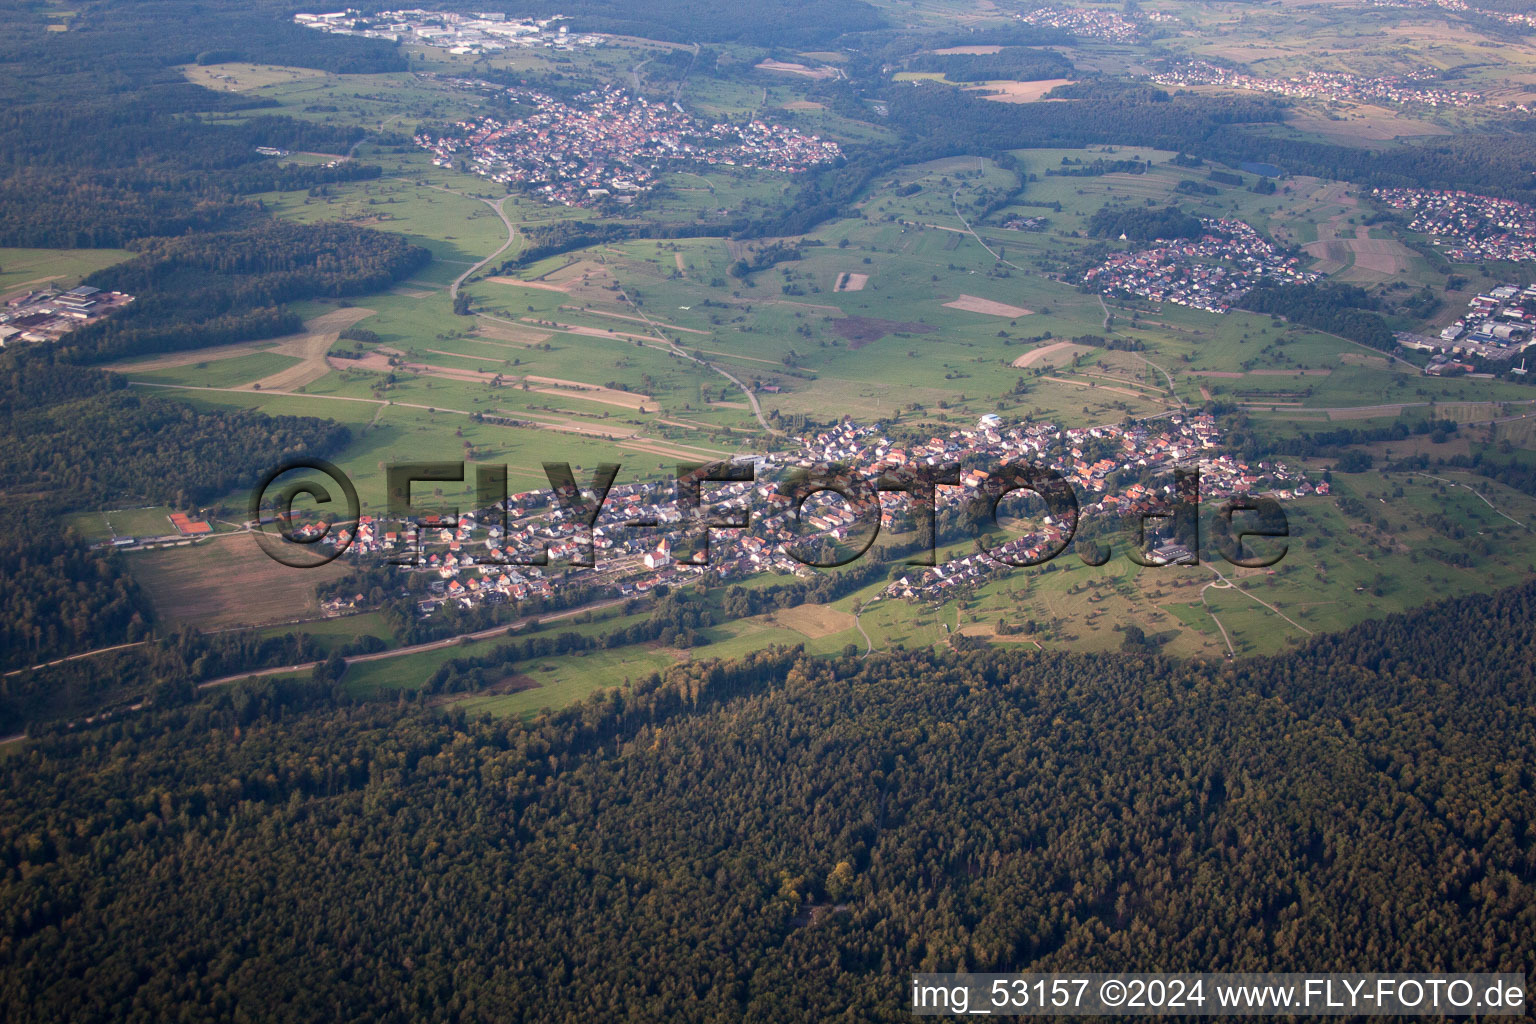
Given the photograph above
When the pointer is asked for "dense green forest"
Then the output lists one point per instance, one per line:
(1140, 224)
(97, 142)
(1016, 63)
(75, 438)
(1340, 309)
(219, 287)
(783, 838)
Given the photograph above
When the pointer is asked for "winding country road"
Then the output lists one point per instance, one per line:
(1219, 585)
(869, 645)
(1456, 483)
(675, 348)
(499, 206)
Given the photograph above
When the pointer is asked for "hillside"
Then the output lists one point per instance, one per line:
(782, 839)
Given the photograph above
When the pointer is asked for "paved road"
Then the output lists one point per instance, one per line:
(499, 206)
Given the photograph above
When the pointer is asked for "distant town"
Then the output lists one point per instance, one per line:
(1471, 227)
(1413, 89)
(1461, 6)
(641, 540)
(608, 145)
(1088, 23)
(48, 314)
(461, 33)
(1211, 272)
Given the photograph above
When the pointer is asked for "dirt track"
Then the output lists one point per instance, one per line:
(1036, 354)
(319, 335)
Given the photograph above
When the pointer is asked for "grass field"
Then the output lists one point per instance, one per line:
(21, 269)
(227, 582)
(221, 373)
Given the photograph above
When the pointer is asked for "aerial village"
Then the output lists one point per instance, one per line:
(1470, 227)
(609, 145)
(1211, 272)
(643, 540)
(488, 32)
(1086, 22)
(48, 314)
(1328, 86)
(1518, 18)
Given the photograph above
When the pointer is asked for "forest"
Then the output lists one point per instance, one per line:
(75, 438)
(1140, 224)
(124, 157)
(220, 287)
(271, 851)
(1013, 63)
(1340, 309)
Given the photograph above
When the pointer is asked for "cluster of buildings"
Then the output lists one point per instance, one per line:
(1095, 459)
(488, 32)
(642, 539)
(1477, 227)
(606, 145)
(1087, 23)
(1211, 272)
(48, 314)
(1498, 325)
(1328, 86)
(1519, 18)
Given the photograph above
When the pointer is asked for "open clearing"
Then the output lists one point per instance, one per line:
(240, 77)
(849, 282)
(1062, 351)
(972, 51)
(25, 269)
(813, 620)
(171, 360)
(795, 69)
(1383, 255)
(861, 330)
(1017, 92)
(1362, 123)
(378, 361)
(507, 333)
(228, 582)
(976, 304)
(311, 347)
(520, 283)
